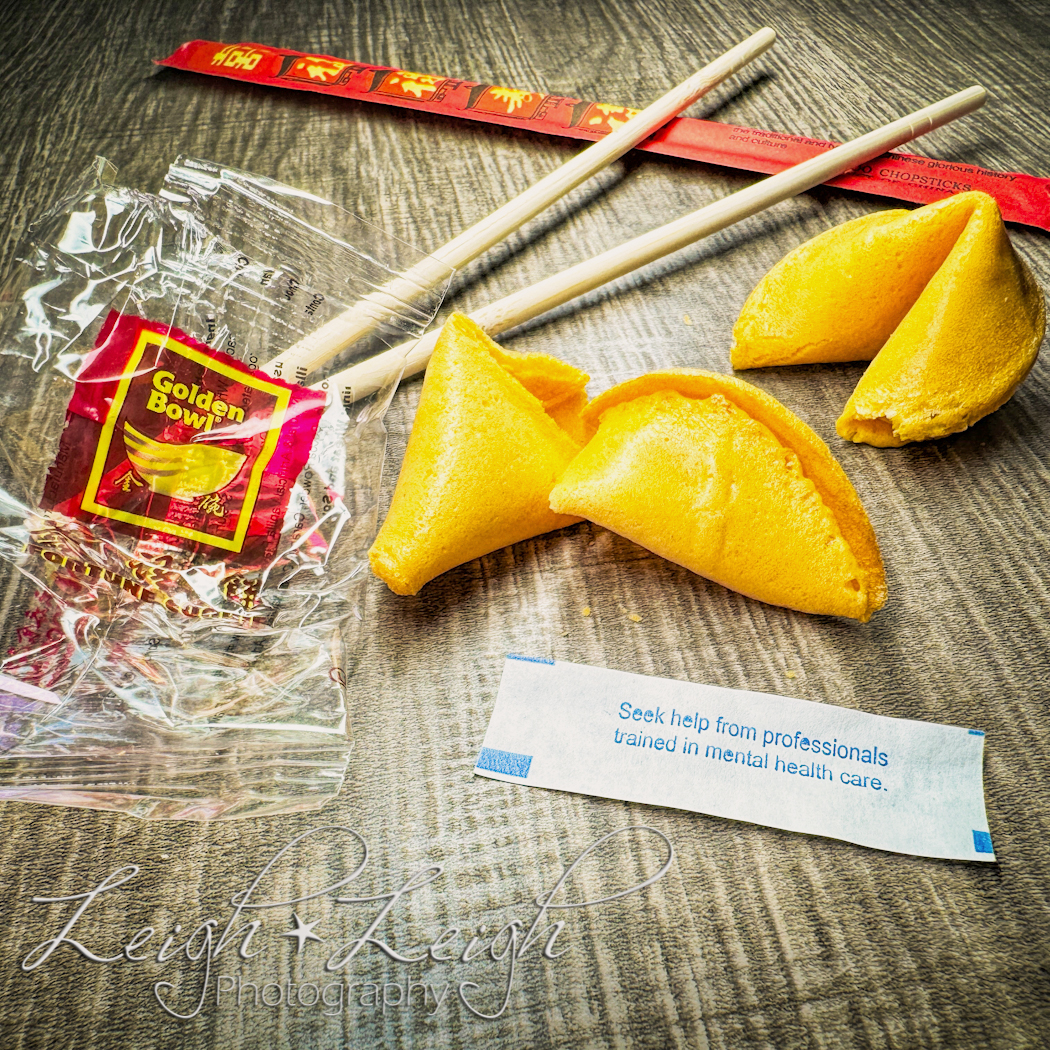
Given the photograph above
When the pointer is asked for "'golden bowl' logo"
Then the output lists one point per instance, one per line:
(182, 471)
(165, 435)
(167, 393)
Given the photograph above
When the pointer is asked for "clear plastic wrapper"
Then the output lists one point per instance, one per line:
(184, 536)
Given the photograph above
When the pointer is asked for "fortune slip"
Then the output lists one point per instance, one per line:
(1022, 198)
(890, 783)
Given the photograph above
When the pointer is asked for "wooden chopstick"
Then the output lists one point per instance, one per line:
(315, 349)
(368, 376)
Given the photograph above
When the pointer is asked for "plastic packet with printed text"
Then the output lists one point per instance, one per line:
(184, 531)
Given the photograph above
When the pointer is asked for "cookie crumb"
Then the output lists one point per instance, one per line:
(791, 674)
(635, 617)
(585, 611)
(687, 319)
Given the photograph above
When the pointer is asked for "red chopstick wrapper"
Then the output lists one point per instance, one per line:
(1022, 198)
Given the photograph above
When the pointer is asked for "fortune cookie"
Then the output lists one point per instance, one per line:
(712, 473)
(936, 298)
(493, 432)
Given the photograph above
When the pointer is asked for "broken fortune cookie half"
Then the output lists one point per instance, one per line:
(493, 432)
(716, 475)
(937, 297)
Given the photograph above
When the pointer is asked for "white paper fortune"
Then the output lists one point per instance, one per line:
(890, 783)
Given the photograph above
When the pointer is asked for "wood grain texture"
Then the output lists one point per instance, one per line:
(755, 938)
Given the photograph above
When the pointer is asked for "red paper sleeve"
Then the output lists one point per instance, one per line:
(1022, 198)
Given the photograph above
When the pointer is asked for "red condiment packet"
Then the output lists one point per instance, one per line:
(181, 445)
(1022, 198)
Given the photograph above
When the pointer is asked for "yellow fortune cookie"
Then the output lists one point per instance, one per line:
(839, 296)
(493, 432)
(963, 348)
(938, 294)
(712, 473)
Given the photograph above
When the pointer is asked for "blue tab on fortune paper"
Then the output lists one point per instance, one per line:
(505, 762)
(890, 783)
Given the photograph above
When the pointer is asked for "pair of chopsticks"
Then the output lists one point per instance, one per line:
(362, 379)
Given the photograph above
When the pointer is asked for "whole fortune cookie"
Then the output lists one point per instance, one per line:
(716, 475)
(493, 432)
(937, 299)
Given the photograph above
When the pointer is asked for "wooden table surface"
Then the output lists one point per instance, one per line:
(754, 937)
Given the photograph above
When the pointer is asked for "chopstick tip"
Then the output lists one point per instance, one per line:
(973, 97)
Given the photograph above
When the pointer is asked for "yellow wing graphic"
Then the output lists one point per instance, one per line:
(182, 472)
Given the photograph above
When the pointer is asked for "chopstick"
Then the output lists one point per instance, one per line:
(311, 352)
(365, 378)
